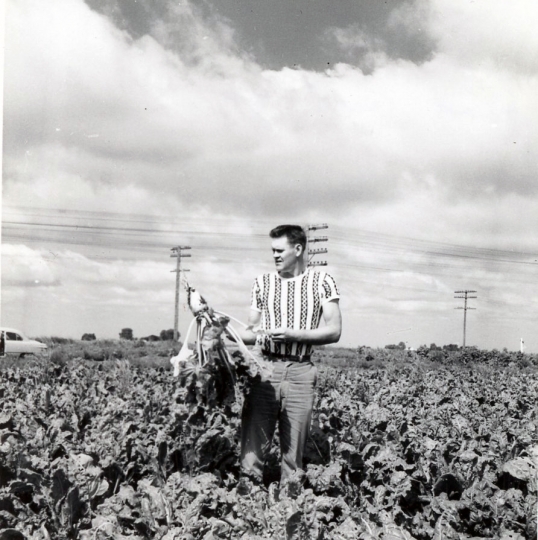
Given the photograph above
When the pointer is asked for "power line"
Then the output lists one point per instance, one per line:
(465, 307)
(177, 252)
(348, 235)
(423, 257)
(314, 239)
(135, 244)
(382, 244)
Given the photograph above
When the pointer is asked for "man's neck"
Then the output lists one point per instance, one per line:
(297, 270)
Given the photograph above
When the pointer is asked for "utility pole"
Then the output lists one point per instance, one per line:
(465, 308)
(313, 239)
(178, 253)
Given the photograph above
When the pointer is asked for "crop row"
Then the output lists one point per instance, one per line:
(408, 449)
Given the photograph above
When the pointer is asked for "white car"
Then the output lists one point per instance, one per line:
(14, 342)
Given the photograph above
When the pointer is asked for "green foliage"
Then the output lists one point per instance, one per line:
(126, 333)
(96, 353)
(414, 448)
(167, 334)
(56, 340)
(59, 357)
(401, 346)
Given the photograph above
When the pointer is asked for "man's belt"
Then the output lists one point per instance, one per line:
(290, 357)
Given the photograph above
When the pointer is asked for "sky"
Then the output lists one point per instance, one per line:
(410, 128)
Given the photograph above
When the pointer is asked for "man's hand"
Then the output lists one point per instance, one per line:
(249, 333)
(329, 333)
(283, 335)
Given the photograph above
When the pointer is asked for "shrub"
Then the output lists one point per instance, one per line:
(167, 335)
(59, 340)
(151, 338)
(126, 333)
(436, 355)
(59, 356)
(98, 354)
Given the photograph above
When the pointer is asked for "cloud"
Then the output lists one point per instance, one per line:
(21, 267)
(476, 33)
(208, 45)
(73, 289)
(359, 47)
(109, 109)
(181, 123)
(506, 223)
(69, 269)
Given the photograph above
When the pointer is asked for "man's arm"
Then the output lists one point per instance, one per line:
(246, 334)
(329, 333)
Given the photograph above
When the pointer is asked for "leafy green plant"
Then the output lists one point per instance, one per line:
(411, 449)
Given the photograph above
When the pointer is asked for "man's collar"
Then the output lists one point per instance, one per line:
(305, 271)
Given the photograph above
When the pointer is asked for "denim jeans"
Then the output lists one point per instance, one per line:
(287, 397)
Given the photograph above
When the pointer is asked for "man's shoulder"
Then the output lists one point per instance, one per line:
(319, 275)
(328, 284)
(265, 276)
(322, 274)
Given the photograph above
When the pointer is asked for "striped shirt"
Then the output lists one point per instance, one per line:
(295, 303)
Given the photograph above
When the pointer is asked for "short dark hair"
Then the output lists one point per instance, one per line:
(294, 233)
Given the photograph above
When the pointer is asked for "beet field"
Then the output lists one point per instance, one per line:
(99, 441)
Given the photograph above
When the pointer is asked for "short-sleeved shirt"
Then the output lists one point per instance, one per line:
(295, 303)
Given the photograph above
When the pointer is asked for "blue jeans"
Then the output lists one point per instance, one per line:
(287, 397)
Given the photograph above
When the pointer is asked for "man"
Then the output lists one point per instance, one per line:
(286, 309)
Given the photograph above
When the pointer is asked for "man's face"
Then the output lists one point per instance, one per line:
(285, 255)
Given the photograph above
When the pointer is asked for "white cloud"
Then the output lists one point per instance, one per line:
(112, 110)
(359, 47)
(49, 292)
(207, 45)
(181, 123)
(70, 269)
(22, 266)
(500, 33)
(504, 223)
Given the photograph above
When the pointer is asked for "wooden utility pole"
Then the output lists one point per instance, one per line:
(312, 239)
(177, 252)
(465, 308)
